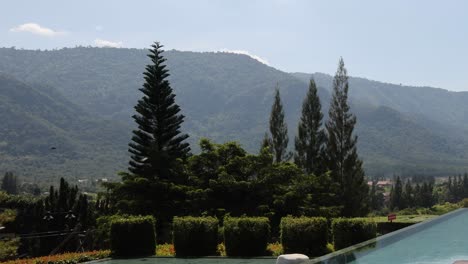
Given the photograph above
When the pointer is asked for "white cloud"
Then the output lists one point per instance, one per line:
(107, 43)
(37, 30)
(244, 52)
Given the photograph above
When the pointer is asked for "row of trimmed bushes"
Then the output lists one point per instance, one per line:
(244, 236)
(198, 236)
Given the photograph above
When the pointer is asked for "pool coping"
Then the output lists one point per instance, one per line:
(174, 257)
(369, 242)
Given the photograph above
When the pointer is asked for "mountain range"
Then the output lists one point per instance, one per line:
(68, 112)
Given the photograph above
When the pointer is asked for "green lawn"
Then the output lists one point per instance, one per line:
(406, 218)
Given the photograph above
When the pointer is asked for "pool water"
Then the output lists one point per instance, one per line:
(440, 241)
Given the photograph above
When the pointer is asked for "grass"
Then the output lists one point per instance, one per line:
(405, 218)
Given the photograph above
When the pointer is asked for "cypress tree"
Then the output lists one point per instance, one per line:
(10, 183)
(278, 130)
(408, 200)
(342, 158)
(396, 195)
(309, 143)
(450, 190)
(158, 142)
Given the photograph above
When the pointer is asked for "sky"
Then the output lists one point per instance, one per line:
(417, 42)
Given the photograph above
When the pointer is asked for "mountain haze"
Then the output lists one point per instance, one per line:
(227, 96)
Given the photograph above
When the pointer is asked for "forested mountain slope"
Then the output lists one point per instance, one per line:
(43, 134)
(228, 97)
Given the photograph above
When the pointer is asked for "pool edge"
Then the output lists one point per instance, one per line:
(369, 242)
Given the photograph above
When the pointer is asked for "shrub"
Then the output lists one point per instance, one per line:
(306, 235)
(440, 209)
(195, 236)
(165, 250)
(102, 232)
(8, 249)
(275, 249)
(66, 258)
(133, 236)
(464, 203)
(349, 231)
(246, 236)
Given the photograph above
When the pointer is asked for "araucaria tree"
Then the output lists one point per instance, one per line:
(342, 158)
(310, 140)
(156, 183)
(157, 143)
(278, 130)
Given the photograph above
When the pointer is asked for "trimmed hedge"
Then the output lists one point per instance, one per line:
(306, 235)
(133, 236)
(464, 203)
(195, 236)
(246, 236)
(102, 237)
(349, 231)
(387, 227)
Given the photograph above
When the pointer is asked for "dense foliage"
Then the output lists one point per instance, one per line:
(349, 231)
(133, 236)
(246, 236)
(10, 183)
(412, 195)
(307, 235)
(62, 210)
(102, 234)
(195, 236)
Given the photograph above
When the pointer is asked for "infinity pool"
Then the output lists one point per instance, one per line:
(442, 240)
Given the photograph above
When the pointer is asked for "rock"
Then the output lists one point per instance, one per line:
(291, 259)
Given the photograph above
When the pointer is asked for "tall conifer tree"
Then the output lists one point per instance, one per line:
(158, 142)
(309, 143)
(342, 158)
(278, 130)
(10, 183)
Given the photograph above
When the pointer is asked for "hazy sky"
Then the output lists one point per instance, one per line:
(416, 42)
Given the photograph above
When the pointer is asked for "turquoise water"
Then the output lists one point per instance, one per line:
(441, 241)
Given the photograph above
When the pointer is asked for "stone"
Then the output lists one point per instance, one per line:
(291, 259)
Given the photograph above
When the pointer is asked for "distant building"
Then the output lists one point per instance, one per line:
(381, 183)
(83, 182)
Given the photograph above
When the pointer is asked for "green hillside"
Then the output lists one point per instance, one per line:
(45, 135)
(228, 97)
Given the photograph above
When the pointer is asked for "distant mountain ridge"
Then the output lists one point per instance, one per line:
(227, 96)
(43, 134)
